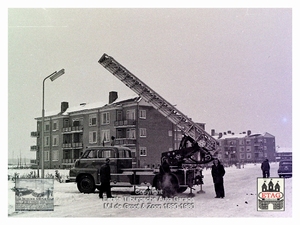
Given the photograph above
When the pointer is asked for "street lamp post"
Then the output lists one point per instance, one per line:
(52, 77)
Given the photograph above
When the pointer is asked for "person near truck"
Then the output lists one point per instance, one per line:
(218, 172)
(105, 180)
(265, 168)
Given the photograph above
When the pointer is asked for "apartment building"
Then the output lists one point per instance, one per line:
(245, 147)
(133, 122)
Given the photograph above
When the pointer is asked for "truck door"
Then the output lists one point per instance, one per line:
(88, 163)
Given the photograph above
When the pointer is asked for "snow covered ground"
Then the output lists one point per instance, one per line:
(240, 199)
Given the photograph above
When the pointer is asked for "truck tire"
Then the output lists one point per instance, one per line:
(86, 184)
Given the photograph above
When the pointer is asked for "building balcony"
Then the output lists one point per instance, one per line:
(72, 145)
(68, 161)
(125, 141)
(73, 129)
(125, 123)
(34, 148)
(258, 149)
(33, 161)
(34, 134)
(257, 143)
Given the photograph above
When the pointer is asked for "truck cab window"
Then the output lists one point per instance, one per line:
(107, 154)
(122, 154)
(91, 154)
(85, 154)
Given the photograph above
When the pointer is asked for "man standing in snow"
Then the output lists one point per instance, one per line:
(217, 172)
(105, 180)
(265, 168)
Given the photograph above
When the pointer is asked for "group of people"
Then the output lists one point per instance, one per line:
(217, 173)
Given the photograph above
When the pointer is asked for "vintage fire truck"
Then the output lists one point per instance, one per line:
(197, 147)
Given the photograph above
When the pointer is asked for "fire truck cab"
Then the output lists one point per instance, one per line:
(86, 169)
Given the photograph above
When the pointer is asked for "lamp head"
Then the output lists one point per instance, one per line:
(57, 74)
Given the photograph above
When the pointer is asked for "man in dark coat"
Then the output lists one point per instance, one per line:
(105, 180)
(217, 172)
(265, 168)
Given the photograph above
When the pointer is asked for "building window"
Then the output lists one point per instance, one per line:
(143, 151)
(143, 114)
(93, 137)
(55, 140)
(47, 126)
(143, 132)
(105, 118)
(66, 123)
(170, 133)
(93, 120)
(77, 138)
(248, 149)
(130, 133)
(226, 155)
(248, 142)
(67, 154)
(248, 155)
(242, 149)
(232, 142)
(105, 136)
(242, 156)
(55, 155)
(77, 122)
(46, 156)
(130, 114)
(119, 115)
(47, 141)
(55, 125)
(76, 154)
(241, 142)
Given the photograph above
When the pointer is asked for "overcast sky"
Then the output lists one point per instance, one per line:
(228, 68)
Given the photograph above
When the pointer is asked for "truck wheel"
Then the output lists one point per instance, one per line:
(86, 184)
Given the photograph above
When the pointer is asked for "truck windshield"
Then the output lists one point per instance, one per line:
(88, 154)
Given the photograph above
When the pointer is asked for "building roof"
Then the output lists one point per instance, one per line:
(89, 106)
(241, 135)
(283, 149)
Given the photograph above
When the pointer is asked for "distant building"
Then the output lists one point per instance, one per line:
(283, 153)
(132, 122)
(245, 147)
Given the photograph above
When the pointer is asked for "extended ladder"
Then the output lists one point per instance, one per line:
(185, 124)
